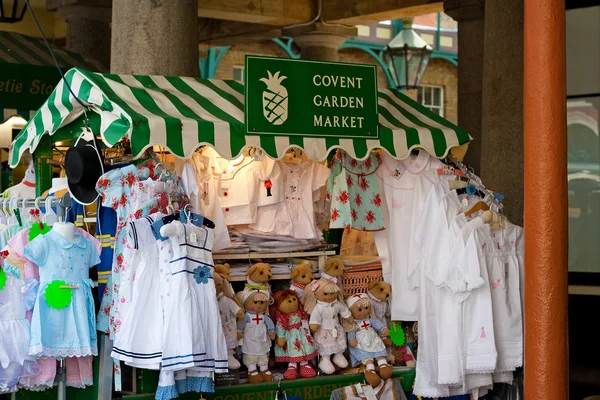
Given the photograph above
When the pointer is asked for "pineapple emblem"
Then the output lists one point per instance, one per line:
(275, 99)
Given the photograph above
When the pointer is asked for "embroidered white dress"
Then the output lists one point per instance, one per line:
(139, 340)
(191, 336)
(330, 337)
(405, 184)
(228, 310)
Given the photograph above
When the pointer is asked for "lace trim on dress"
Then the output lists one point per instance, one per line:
(40, 351)
(81, 383)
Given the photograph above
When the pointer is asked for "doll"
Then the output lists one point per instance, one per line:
(258, 331)
(301, 276)
(366, 346)
(294, 343)
(324, 301)
(229, 312)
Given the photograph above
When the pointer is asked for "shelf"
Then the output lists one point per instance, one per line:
(251, 256)
(276, 277)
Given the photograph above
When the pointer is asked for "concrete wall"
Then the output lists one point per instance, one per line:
(583, 62)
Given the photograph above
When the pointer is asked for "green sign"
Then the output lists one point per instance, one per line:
(26, 86)
(310, 98)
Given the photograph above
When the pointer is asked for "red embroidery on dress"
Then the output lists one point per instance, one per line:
(358, 200)
(354, 214)
(376, 200)
(343, 197)
(370, 217)
(335, 214)
(349, 181)
(363, 183)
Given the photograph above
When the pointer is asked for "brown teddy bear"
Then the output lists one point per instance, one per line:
(258, 330)
(258, 276)
(333, 270)
(301, 276)
(366, 346)
(223, 269)
(230, 312)
(379, 293)
(294, 342)
(324, 301)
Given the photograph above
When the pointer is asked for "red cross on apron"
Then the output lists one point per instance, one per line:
(257, 319)
(365, 324)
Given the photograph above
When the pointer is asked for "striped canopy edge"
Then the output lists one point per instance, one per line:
(183, 114)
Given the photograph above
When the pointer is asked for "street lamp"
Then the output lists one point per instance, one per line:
(407, 56)
(12, 10)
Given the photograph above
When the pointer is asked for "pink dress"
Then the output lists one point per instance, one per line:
(79, 370)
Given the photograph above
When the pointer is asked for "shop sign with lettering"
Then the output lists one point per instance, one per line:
(310, 98)
(26, 86)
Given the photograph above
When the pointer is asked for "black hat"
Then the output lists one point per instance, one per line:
(84, 166)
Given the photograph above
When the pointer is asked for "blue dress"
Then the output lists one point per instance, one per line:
(70, 331)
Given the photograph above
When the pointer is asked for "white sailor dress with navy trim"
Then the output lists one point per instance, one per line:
(191, 338)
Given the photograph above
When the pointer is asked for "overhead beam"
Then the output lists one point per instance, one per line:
(227, 33)
(269, 12)
(361, 12)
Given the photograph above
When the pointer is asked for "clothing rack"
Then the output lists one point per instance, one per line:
(476, 182)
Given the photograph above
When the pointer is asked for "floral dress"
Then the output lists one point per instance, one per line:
(354, 193)
(130, 191)
(300, 345)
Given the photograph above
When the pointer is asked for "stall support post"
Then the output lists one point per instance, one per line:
(546, 290)
(43, 171)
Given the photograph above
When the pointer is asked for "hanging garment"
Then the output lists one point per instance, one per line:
(330, 337)
(191, 336)
(139, 340)
(405, 184)
(295, 215)
(171, 384)
(130, 191)
(236, 186)
(79, 369)
(228, 310)
(69, 331)
(197, 180)
(354, 193)
(16, 297)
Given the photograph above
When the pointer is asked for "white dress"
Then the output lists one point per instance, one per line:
(15, 298)
(197, 180)
(330, 337)
(405, 184)
(191, 336)
(139, 340)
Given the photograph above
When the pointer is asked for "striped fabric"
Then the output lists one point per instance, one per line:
(185, 113)
(20, 49)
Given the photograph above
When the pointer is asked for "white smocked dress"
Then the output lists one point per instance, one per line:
(191, 336)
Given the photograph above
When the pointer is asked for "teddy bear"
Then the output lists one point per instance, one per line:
(258, 331)
(230, 312)
(258, 276)
(366, 346)
(379, 293)
(333, 270)
(223, 269)
(324, 301)
(294, 343)
(301, 276)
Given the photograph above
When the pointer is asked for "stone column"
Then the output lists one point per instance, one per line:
(320, 42)
(470, 17)
(502, 139)
(88, 27)
(155, 38)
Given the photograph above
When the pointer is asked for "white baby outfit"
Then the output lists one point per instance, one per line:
(295, 215)
(228, 310)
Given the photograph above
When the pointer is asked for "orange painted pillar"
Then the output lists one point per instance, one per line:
(546, 291)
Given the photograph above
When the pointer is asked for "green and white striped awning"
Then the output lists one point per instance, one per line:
(185, 113)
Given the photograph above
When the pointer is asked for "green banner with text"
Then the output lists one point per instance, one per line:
(26, 86)
(310, 98)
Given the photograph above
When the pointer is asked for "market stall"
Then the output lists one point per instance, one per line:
(329, 108)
